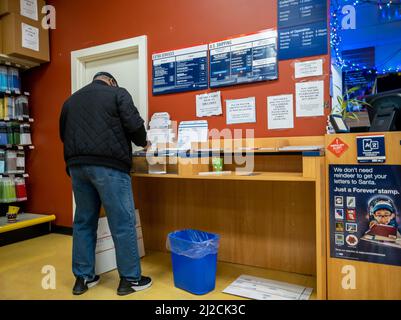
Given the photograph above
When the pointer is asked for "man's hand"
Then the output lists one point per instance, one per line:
(148, 146)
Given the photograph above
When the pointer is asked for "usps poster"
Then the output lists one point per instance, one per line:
(365, 213)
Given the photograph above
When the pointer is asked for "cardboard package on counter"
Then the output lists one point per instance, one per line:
(24, 38)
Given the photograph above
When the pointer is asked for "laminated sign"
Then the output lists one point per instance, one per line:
(371, 149)
(29, 9)
(338, 147)
(365, 220)
(30, 37)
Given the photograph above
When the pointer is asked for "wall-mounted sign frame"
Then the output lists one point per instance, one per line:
(244, 59)
(180, 70)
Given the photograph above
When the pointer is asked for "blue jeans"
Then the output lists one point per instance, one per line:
(93, 186)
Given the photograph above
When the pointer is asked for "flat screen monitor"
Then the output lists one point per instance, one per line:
(388, 82)
(385, 111)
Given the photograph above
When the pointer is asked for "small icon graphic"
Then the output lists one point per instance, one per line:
(338, 147)
(351, 202)
(370, 145)
(340, 239)
(339, 214)
(339, 226)
(351, 227)
(339, 201)
(351, 215)
(352, 240)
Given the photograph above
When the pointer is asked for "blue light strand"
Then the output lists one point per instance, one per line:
(335, 40)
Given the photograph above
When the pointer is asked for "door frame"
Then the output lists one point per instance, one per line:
(138, 45)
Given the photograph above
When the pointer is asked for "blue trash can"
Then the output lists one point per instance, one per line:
(194, 259)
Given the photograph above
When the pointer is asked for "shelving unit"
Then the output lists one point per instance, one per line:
(28, 225)
(17, 62)
(24, 220)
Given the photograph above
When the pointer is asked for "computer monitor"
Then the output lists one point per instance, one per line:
(388, 82)
(385, 111)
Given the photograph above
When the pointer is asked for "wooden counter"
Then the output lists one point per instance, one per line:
(274, 220)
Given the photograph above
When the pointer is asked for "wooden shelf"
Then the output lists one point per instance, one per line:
(264, 176)
(19, 175)
(17, 62)
(30, 120)
(25, 220)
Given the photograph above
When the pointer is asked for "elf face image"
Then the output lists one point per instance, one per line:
(383, 213)
(383, 217)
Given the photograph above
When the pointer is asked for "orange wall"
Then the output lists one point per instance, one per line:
(169, 24)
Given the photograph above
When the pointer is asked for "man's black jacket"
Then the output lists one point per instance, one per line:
(97, 125)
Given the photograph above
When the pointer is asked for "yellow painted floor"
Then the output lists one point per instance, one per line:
(21, 275)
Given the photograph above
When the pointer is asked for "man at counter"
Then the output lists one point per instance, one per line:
(97, 125)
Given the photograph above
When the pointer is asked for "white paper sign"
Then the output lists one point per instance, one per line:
(310, 99)
(29, 9)
(208, 105)
(241, 111)
(312, 68)
(30, 37)
(192, 131)
(280, 112)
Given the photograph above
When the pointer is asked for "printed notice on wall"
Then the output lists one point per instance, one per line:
(241, 111)
(208, 105)
(309, 69)
(29, 9)
(30, 37)
(310, 99)
(365, 216)
(280, 111)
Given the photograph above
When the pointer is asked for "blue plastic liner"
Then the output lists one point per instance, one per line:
(193, 244)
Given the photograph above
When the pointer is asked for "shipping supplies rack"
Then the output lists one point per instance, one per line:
(15, 146)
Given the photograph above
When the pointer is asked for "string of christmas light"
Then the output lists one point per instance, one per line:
(335, 38)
